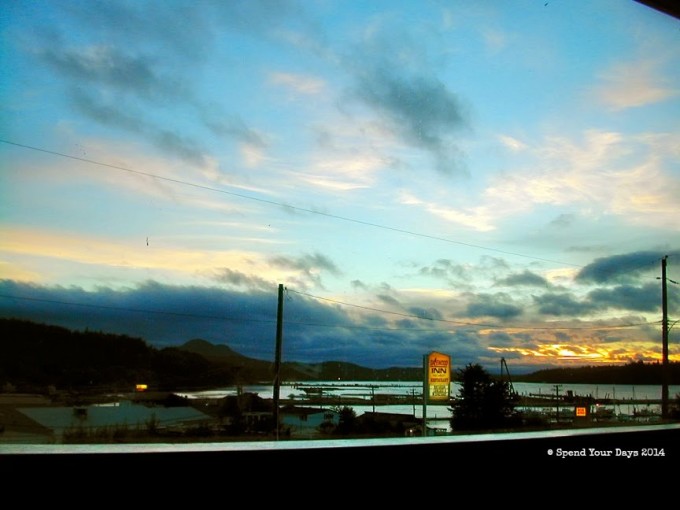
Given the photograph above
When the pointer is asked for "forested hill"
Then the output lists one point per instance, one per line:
(36, 355)
(630, 373)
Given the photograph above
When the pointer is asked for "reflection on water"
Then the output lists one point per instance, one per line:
(619, 399)
(35, 420)
(368, 389)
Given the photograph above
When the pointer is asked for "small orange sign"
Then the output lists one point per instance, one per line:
(580, 411)
(141, 387)
(439, 376)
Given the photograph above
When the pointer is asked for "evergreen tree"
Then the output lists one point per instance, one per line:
(483, 402)
(347, 421)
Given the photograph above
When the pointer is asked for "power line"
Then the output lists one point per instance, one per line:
(280, 204)
(304, 323)
(474, 324)
(297, 208)
(135, 310)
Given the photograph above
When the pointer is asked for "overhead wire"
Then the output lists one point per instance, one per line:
(343, 218)
(281, 204)
(475, 324)
(288, 206)
(340, 326)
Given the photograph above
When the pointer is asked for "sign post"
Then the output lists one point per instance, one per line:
(436, 381)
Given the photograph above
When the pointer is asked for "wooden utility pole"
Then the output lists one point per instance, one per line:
(426, 392)
(664, 339)
(277, 360)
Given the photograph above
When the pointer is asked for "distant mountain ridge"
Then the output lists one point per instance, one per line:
(37, 355)
(293, 370)
(213, 351)
(40, 355)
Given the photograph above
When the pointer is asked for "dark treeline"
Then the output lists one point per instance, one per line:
(630, 373)
(34, 356)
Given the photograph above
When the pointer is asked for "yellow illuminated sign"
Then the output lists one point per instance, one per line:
(580, 411)
(439, 376)
(141, 387)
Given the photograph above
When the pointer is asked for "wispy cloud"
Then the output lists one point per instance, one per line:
(634, 84)
(301, 84)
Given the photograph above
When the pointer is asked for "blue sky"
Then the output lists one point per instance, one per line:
(485, 179)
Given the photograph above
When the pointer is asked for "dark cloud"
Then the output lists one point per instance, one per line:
(107, 113)
(110, 68)
(160, 314)
(497, 305)
(646, 298)
(425, 313)
(309, 266)
(126, 55)
(419, 108)
(184, 147)
(128, 119)
(628, 298)
(166, 315)
(358, 284)
(389, 300)
(239, 279)
(306, 263)
(501, 339)
(233, 127)
(562, 305)
(184, 28)
(563, 221)
(446, 269)
(525, 279)
(622, 268)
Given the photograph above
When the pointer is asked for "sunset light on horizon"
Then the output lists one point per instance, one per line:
(482, 179)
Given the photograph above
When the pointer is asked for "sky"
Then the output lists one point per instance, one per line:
(493, 180)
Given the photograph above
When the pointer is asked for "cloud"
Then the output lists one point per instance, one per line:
(479, 218)
(606, 173)
(499, 305)
(446, 269)
(232, 126)
(419, 108)
(342, 171)
(314, 330)
(513, 144)
(561, 305)
(646, 298)
(426, 313)
(240, 279)
(389, 300)
(524, 279)
(109, 67)
(622, 267)
(634, 84)
(309, 266)
(129, 66)
(124, 113)
(186, 29)
(300, 84)
(167, 315)
(563, 221)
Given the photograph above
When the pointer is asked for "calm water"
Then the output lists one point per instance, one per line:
(368, 389)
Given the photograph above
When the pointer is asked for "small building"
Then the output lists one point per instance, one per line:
(94, 419)
(307, 421)
(392, 423)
